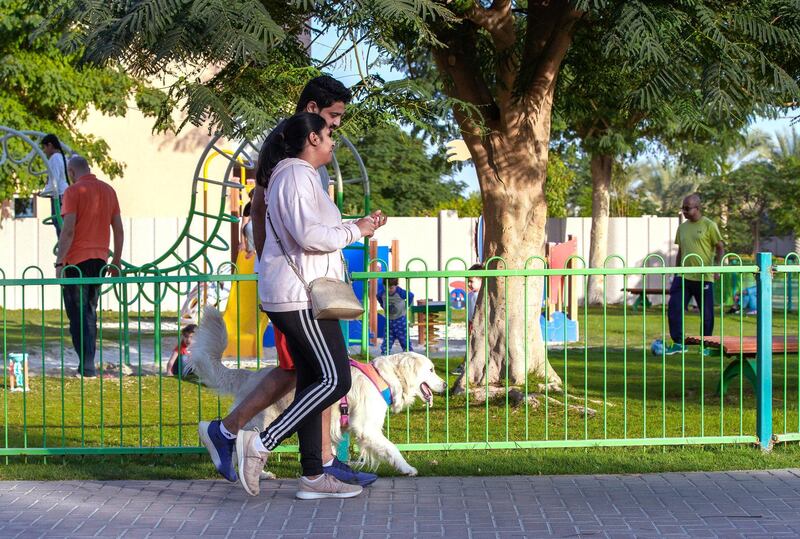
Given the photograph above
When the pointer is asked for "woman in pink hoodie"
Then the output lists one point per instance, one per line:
(305, 235)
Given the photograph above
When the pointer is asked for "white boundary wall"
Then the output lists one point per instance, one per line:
(435, 240)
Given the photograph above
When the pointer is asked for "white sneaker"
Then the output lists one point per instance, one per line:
(251, 461)
(326, 487)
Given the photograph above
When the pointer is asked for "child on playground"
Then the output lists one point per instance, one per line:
(395, 316)
(175, 363)
(473, 289)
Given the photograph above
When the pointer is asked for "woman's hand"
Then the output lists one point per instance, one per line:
(378, 218)
(369, 224)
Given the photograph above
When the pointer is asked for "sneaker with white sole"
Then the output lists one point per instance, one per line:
(346, 474)
(326, 486)
(251, 461)
(219, 447)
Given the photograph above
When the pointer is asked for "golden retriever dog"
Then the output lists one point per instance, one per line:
(408, 375)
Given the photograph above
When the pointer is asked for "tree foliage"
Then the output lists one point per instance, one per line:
(44, 90)
(741, 202)
(404, 180)
(497, 64)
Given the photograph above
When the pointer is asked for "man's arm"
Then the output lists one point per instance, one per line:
(119, 240)
(678, 260)
(258, 216)
(720, 252)
(65, 240)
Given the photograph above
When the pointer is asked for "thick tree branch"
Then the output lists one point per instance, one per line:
(461, 66)
(547, 62)
(498, 20)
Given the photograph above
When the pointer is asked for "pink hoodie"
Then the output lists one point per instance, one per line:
(311, 230)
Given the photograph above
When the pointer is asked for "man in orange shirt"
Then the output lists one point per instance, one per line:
(89, 210)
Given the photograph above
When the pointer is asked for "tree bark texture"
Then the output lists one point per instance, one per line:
(509, 146)
(601, 166)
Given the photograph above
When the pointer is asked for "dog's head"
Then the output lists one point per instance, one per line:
(410, 375)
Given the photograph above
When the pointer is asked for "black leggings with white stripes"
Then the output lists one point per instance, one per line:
(323, 377)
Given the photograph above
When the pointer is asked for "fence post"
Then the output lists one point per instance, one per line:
(764, 351)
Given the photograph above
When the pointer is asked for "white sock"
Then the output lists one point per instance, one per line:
(225, 432)
(329, 463)
(258, 445)
(307, 480)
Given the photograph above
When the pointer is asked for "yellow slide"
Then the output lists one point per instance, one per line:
(247, 343)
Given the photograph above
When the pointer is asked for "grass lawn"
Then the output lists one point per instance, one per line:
(633, 395)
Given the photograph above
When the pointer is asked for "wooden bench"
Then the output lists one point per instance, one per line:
(641, 296)
(743, 351)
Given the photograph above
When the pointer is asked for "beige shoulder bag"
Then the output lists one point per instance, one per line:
(331, 299)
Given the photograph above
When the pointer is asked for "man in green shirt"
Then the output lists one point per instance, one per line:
(699, 244)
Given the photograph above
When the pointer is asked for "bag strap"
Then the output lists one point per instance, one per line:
(285, 254)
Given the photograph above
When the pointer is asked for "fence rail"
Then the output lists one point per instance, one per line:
(618, 386)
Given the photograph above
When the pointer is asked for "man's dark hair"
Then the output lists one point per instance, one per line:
(392, 281)
(324, 91)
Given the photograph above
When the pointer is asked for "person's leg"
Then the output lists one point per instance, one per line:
(219, 436)
(90, 297)
(675, 308)
(323, 377)
(708, 308)
(53, 212)
(327, 446)
(277, 383)
(402, 334)
(72, 306)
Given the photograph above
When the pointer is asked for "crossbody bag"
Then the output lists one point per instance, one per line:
(331, 299)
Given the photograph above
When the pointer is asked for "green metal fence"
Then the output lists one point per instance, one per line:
(615, 391)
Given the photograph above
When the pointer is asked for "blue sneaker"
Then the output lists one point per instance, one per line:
(675, 348)
(346, 474)
(219, 447)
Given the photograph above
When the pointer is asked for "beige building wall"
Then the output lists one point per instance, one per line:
(159, 168)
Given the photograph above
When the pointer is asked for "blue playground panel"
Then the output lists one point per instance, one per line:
(555, 328)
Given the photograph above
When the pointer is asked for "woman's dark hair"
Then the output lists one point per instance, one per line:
(186, 332)
(52, 140)
(324, 91)
(288, 142)
(246, 210)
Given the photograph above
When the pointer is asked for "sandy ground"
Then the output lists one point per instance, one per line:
(141, 350)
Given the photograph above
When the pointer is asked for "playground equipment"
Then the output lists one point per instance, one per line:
(18, 372)
(242, 317)
(213, 203)
(31, 158)
(558, 322)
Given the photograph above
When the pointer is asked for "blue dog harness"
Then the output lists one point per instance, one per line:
(377, 380)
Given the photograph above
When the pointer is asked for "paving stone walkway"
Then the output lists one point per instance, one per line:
(734, 504)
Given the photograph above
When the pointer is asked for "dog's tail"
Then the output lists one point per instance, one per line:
(210, 341)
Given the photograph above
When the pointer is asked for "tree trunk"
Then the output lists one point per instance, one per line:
(509, 146)
(506, 340)
(601, 201)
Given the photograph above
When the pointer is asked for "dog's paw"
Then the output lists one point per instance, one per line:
(266, 475)
(411, 472)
